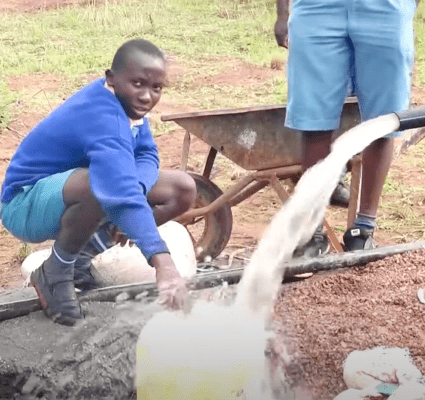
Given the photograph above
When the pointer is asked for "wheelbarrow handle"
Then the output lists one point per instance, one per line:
(411, 119)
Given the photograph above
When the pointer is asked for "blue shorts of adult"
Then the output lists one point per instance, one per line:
(34, 214)
(329, 41)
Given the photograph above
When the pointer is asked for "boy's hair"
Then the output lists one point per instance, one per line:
(128, 48)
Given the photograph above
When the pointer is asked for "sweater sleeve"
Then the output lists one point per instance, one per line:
(147, 159)
(115, 183)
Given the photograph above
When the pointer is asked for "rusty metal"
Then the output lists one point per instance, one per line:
(332, 238)
(190, 215)
(248, 192)
(255, 138)
(229, 194)
(209, 162)
(278, 188)
(281, 173)
(185, 154)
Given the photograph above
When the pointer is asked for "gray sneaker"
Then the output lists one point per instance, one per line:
(341, 195)
(317, 246)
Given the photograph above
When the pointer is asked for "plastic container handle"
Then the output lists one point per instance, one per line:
(411, 119)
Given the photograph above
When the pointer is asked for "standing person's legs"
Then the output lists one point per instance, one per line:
(318, 75)
(383, 39)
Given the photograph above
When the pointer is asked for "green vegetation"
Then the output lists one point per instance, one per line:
(77, 40)
(7, 98)
(420, 42)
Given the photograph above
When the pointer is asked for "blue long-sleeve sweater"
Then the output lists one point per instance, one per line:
(91, 130)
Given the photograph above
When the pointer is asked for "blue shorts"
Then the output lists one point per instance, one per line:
(34, 214)
(331, 40)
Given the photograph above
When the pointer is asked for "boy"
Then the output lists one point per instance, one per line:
(368, 43)
(91, 166)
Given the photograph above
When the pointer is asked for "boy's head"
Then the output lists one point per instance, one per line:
(137, 76)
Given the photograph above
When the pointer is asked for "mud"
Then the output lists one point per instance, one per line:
(41, 359)
(96, 359)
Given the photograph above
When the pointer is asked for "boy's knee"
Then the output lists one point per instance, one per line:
(186, 188)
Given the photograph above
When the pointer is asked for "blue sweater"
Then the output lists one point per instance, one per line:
(91, 130)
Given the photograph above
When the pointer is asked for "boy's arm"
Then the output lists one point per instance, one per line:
(147, 159)
(115, 183)
(281, 25)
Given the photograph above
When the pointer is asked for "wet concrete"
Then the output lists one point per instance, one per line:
(41, 359)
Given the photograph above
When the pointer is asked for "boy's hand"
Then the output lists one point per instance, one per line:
(172, 288)
(281, 31)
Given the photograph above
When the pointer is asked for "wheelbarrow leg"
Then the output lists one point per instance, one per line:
(336, 246)
(185, 154)
(209, 162)
(279, 189)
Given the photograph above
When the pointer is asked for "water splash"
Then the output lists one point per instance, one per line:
(296, 222)
(199, 356)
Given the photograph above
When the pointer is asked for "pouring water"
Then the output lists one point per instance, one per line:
(217, 352)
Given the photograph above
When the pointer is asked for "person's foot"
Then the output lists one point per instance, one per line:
(341, 195)
(58, 299)
(86, 277)
(357, 238)
(317, 246)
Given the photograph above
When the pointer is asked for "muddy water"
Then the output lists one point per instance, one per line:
(243, 325)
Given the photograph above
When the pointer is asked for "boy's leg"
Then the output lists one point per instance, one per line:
(318, 74)
(53, 281)
(172, 195)
(86, 277)
(315, 146)
(384, 58)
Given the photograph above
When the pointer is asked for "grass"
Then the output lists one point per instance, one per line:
(402, 206)
(78, 40)
(7, 98)
(420, 42)
(23, 252)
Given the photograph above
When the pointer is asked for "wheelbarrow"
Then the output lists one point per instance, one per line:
(255, 139)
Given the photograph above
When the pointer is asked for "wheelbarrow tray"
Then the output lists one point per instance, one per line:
(255, 138)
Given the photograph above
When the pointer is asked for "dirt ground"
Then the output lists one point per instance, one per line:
(35, 5)
(320, 320)
(323, 319)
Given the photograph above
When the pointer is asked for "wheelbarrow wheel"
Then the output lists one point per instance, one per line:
(211, 232)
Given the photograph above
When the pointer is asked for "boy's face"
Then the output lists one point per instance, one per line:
(139, 84)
